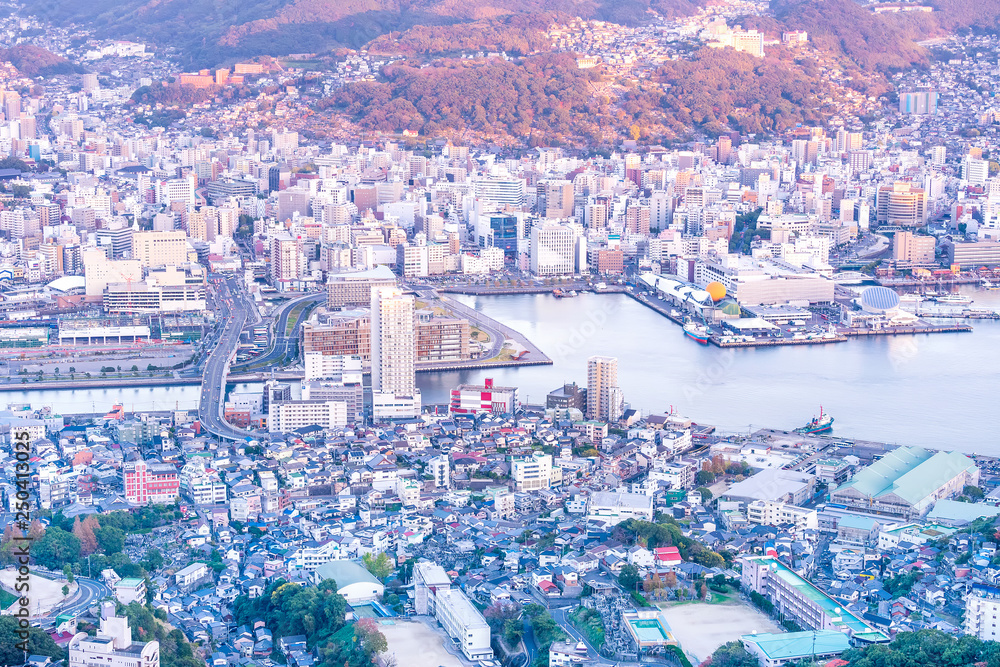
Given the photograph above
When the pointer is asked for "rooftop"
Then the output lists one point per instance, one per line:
(793, 645)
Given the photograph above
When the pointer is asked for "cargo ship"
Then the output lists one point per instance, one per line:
(821, 424)
(697, 332)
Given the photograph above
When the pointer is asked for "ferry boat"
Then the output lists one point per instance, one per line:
(697, 332)
(821, 424)
(953, 299)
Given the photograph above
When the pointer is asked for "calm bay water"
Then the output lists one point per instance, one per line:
(935, 390)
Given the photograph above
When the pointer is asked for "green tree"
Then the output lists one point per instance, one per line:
(68, 573)
(629, 577)
(380, 566)
(56, 548)
(65, 590)
(110, 539)
(512, 631)
(39, 643)
(731, 655)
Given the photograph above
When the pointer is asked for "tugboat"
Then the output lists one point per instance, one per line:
(697, 332)
(821, 424)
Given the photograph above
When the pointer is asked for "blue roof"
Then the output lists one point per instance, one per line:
(793, 645)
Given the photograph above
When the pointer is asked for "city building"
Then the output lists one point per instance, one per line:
(907, 481)
(130, 589)
(604, 396)
(112, 645)
(901, 204)
(534, 472)
(355, 288)
(910, 251)
(775, 650)
(567, 654)
(982, 606)
(393, 349)
(972, 255)
(567, 396)
(485, 398)
(354, 582)
(148, 483)
(799, 601)
(156, 249)
(770, 513)
(552, 250)
(195, 573)
(616, 506)
(285, 416)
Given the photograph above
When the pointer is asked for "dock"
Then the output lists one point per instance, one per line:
(842, 335)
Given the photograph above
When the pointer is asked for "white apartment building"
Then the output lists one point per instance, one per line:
(769, 513)
(534, 472)
(202, 485)
(284, 416)
(982, 607)
(440, 469)
(113, 645)
(343, 367)
(311, 555)
(394, 354)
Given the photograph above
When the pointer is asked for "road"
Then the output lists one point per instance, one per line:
(282, 345)
(88, 592)
(234, 310)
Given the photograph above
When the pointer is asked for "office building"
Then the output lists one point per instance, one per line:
(972, 255)
(901, 204)
(797, 600)
(552, 250)
(355, 288)
(343, 367)
(503, 191)
(555, 199)
(288, 262)
(909, 250)
(771, 513)
(394, 353)
(112, 646)
(156, 249)
(604, 396)
(471, 399)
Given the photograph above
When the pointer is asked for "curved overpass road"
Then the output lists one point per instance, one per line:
(88, 592)
(235, 309)
(283, 344)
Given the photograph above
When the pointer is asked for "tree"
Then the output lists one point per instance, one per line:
(973, 492)
(84, 531)
(731, 655)
(65, 590)
(68, 573)
(368, 635)
(153, 560)
(380, 566)
(512, 631)
(704, 477)
(498, 613)
(39, 643)
(55, 548)
(629, 578)
(111, 540)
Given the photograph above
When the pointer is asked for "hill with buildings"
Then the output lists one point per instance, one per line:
(210, 33)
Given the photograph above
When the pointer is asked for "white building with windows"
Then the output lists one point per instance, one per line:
(534, 472)
(113, 645)
(982, 607)
(464, 622)
(617, 506)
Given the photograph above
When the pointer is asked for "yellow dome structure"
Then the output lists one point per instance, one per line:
(717, 291)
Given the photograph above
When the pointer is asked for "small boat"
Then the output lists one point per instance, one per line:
(697, 332)
(821, 424)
